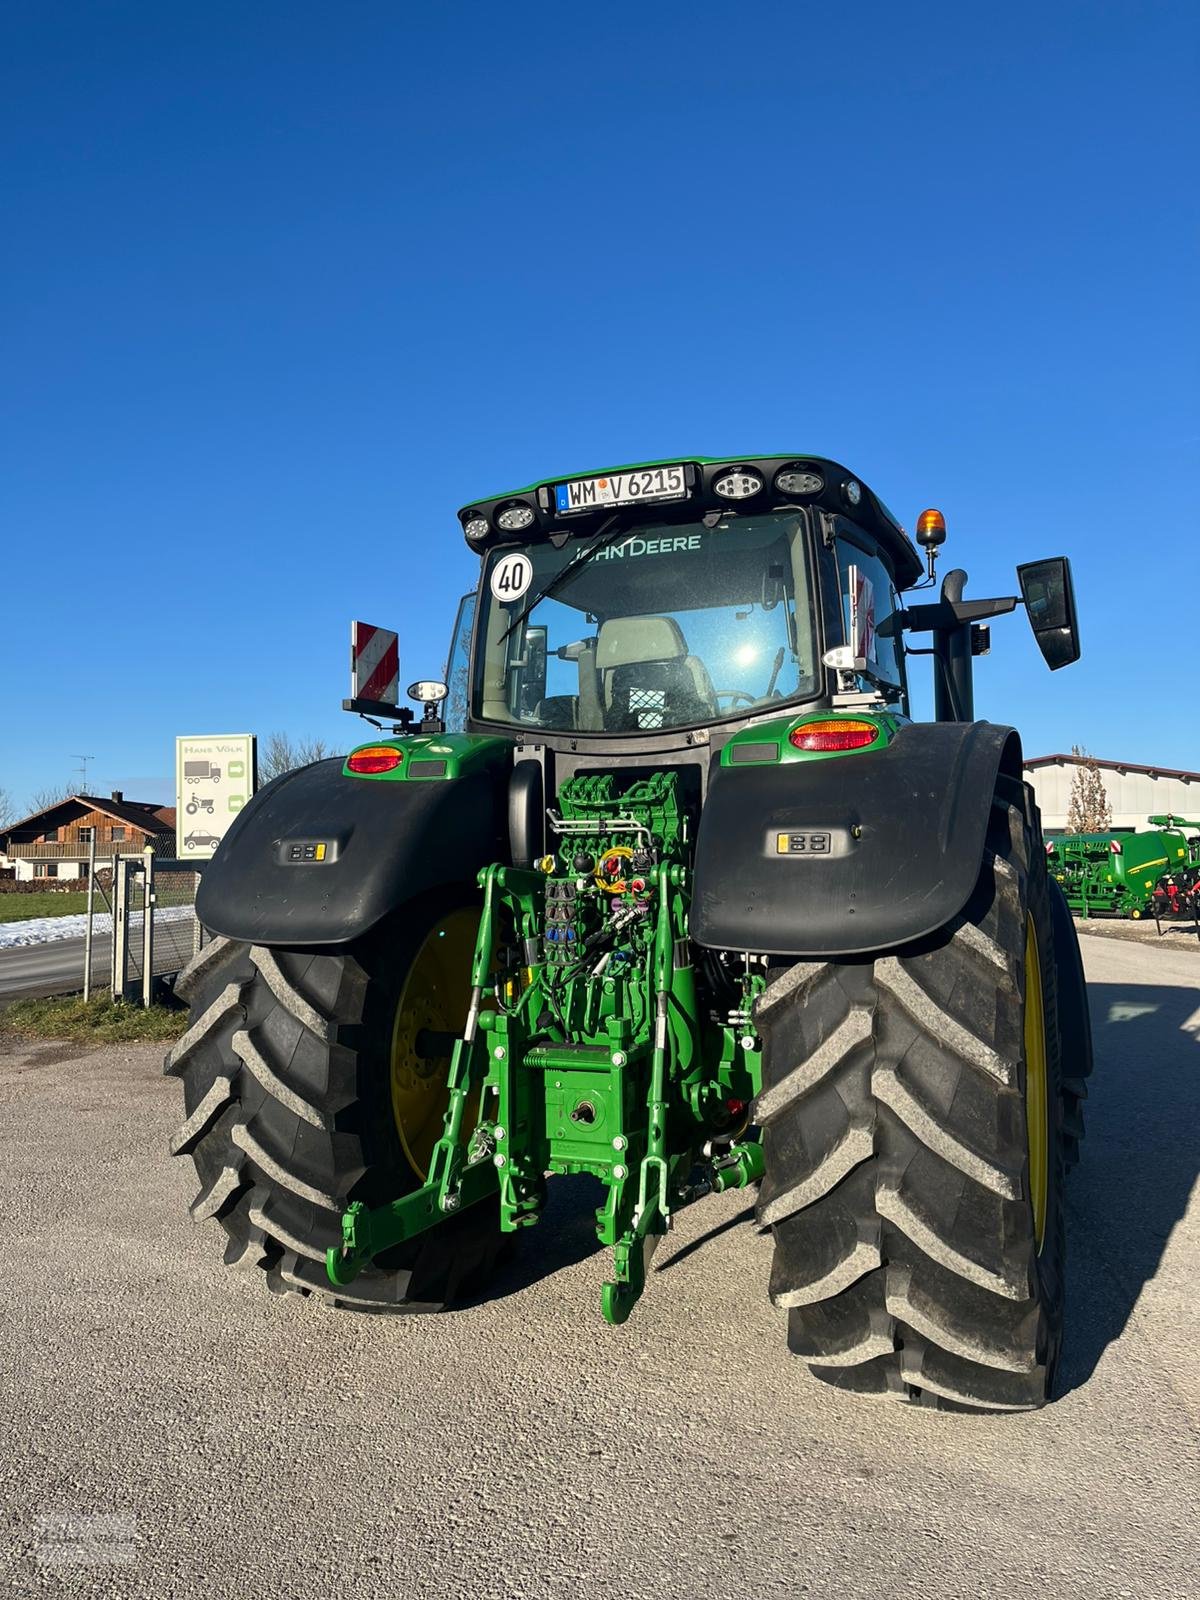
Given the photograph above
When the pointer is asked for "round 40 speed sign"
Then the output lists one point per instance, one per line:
(511, 576)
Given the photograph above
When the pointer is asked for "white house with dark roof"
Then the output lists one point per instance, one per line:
(57, 842)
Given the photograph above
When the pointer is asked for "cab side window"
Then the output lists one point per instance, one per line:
(877, 597)
(458, 667)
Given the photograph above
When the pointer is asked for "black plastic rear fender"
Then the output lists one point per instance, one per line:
(385, 844)
(905, 834)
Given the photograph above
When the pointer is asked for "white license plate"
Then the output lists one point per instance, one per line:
(621, 488)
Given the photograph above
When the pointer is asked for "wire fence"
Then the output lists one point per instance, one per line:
(141, 926)
(176, 930)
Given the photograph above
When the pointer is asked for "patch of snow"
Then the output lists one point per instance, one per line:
(45, 930)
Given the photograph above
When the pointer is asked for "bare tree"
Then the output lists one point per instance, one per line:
(1089, 810)
(281, 753)
(8, 810)
(43, 799)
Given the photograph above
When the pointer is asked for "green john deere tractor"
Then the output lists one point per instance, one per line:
(664, 886)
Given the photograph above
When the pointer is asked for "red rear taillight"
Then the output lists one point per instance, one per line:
(374, 758)
(835, 733)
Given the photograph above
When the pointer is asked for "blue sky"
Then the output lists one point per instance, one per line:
(285, 284)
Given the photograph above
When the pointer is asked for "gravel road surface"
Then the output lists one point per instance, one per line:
(171, 1429)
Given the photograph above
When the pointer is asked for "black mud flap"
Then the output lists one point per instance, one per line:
(848, 855)
(317, 858)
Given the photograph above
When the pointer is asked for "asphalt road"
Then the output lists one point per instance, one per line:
(56, 967)
(171, 1429)
(51, 968)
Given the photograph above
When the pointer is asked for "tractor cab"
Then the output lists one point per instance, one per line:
(653, 599)
(661, 628)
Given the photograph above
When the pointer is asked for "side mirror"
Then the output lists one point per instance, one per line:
(1049, 600)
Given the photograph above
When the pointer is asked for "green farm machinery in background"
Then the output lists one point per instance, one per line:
(1129, 874)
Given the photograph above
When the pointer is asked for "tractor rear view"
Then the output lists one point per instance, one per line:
(665, 886)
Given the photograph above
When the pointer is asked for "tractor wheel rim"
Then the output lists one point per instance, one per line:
(1036, 1109)
(434, 997)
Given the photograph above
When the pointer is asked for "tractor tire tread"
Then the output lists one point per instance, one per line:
(279, 1136)
(915, 1273)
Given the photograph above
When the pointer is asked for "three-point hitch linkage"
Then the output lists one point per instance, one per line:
(589, 1046)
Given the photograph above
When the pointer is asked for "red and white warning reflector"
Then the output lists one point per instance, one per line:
(374, 664)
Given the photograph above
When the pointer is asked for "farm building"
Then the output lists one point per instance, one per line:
(57, 842)
(1134, 792)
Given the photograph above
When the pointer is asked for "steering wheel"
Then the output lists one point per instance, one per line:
(734, 695)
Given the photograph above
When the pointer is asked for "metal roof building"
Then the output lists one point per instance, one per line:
(1134, 792)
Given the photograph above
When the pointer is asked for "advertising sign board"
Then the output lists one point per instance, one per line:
(215, 774)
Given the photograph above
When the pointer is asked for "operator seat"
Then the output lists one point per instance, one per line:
(647, 677)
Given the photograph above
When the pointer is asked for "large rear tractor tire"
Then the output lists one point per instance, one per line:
(1074, 1023)
(913, 1116)
(314, 1078)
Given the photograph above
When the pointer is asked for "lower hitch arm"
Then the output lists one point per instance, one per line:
(368, 1233)
(740, 1166)
(459, 1175)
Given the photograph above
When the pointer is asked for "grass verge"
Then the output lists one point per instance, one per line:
(17, 907)
(100, 1020)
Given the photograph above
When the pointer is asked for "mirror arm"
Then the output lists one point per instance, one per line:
(375, 708)
(950, 621)
(948, 614)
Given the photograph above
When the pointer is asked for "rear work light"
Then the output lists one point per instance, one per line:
(835, 733)
(516, 517)
(793, 481)
(374, 758)
(740, 484)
